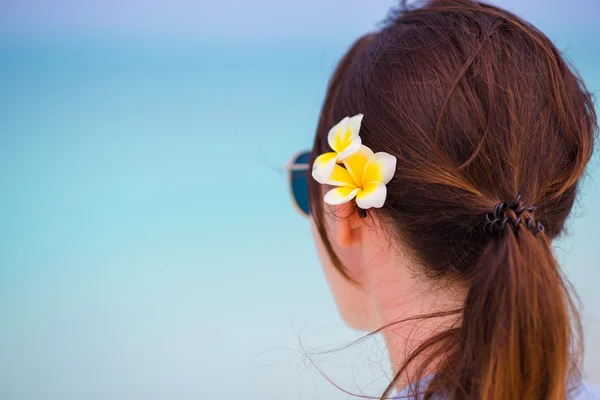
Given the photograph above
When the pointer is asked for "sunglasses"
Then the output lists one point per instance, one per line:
(298, 181)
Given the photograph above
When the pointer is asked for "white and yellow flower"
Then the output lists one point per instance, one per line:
(365, 177)
(344, 140)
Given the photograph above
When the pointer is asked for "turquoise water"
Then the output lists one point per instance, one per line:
(148, 248)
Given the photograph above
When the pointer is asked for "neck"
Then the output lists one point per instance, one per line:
(403, 296)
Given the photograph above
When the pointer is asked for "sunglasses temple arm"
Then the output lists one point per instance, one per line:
(296, 167)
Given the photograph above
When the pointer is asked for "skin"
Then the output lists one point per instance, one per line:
(391, 287)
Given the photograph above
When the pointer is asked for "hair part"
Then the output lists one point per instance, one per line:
(478, 106)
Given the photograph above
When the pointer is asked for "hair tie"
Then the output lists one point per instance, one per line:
(496, 221)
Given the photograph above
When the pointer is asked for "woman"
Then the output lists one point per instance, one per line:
(434, 202)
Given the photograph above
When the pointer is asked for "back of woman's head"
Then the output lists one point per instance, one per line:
(479, 107)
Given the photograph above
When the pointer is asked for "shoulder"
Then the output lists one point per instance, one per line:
(588, 392)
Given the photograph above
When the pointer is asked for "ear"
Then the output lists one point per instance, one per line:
(348, 225)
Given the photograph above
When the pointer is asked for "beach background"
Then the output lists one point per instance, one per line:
(148, 247)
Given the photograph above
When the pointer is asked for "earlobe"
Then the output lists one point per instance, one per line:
(348, 225)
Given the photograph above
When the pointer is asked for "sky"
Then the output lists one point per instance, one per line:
(239, 19)
(148, 246)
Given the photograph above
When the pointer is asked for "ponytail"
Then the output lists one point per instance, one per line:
(517, 323)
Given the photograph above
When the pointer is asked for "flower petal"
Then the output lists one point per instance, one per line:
(340, 195)
(380, 168)
(372, 195)
(352, 147)
(341, 177)
(335, 135)
(323, 166)
(354, 125)
(356, 163)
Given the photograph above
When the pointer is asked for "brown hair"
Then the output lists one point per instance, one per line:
(478, 106)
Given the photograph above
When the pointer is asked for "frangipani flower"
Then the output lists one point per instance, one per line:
(344, 141)
(364, 177)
